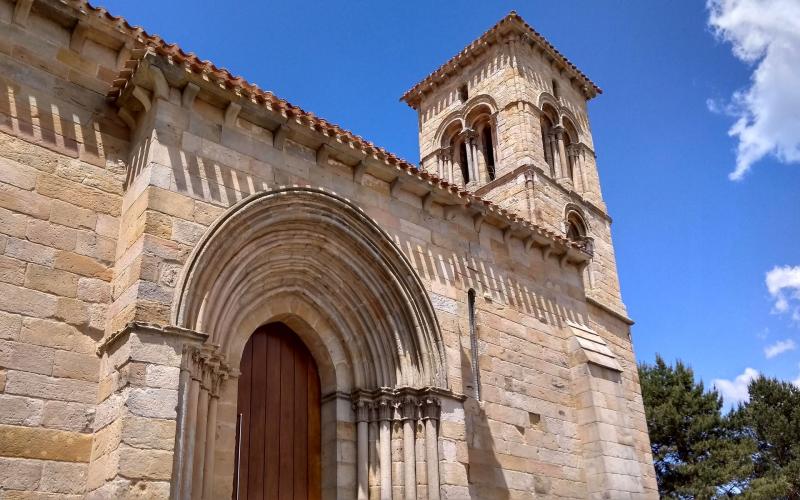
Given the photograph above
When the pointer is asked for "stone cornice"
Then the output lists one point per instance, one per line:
(151, 72)
(572, 194)
(134, 326)
(608, 309)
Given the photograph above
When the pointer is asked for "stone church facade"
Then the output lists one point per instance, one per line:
(207, 292)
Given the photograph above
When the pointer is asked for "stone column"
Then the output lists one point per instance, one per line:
(573, 161)
(472, 157)
(555, 161)
(361, 408)
(430, 415)
(562, 154)
(409, 410)
(205, 373)
(385, 411)
(445, 156)
(217, 378)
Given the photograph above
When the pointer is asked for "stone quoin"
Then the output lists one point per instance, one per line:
(207, 292)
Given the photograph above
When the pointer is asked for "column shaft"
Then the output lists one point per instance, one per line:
(432, 458)
(211, 439)
(362, 452)
(386, 459)
(409, 461)
(190, 421)
(200, 444)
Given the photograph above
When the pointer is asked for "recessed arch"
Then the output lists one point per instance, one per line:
(449, 128)
(576, 226)
(318, 263)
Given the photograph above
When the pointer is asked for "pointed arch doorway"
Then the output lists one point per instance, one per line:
(278, 429)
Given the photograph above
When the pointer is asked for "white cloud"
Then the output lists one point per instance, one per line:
(779, 347)
(766, 34)
(735, 391)
(783, 284)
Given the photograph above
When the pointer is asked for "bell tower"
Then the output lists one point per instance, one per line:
(507, 119)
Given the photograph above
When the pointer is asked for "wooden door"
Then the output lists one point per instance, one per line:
(278, 435)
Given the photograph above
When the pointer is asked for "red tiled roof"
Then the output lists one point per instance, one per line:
(240, 86)
(512, 20)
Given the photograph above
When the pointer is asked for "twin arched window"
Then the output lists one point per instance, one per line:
(559, 143)
(470, 148)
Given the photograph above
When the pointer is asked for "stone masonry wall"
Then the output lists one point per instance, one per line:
(98, 221)
(60, 200)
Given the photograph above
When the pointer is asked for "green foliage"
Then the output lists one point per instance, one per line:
(753, 452)
(772, 418)
(696, 452)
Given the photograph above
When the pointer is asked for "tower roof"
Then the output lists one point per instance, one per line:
(511, 23)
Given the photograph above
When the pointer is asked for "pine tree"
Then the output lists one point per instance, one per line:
(697, 452)
(772, 419)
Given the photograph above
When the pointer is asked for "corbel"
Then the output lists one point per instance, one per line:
(124, 54)
(231, 113)
(21, 12)
(397, 184)
(359, 171)
(189, 94)
(477, 221)
(279, 136)
(78, 37)
(507, 233)
(582, 266)
(546, 251)
(142, 96)
(160, 85)
(323, 153)
(563, 259)
(451, 211)
(529, 241)
(126, 117)
(427, 202)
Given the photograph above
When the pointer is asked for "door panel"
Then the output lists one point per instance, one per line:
(278, 453)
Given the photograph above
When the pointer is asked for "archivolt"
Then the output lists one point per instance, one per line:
(341, 274)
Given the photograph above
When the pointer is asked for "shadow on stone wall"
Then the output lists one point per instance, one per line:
(484, 471)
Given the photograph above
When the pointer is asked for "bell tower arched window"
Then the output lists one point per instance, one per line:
(463, 162)
(488, 151)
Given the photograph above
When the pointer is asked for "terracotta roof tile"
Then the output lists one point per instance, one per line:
(249, 90)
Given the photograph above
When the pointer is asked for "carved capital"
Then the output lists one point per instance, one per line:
(362, 409)
(431, 408)
(408, 408)
(384, 408)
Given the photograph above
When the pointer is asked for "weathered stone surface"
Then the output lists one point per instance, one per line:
(27, 302)
(45, 444)
(20, 474)
(155, 403)
(145, 464)
(12, 270)
(10, 325)
(55, 334)
(149, 433)
(63, 477)
(52, 281)
(30, 252)
(83, 265)
(18, 410)
(76, 365)
(51, 235)
(44, 387)
(26, 357)
(72, 216)
(77, 417)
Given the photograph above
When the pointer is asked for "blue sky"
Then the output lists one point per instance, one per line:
(693, 246)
